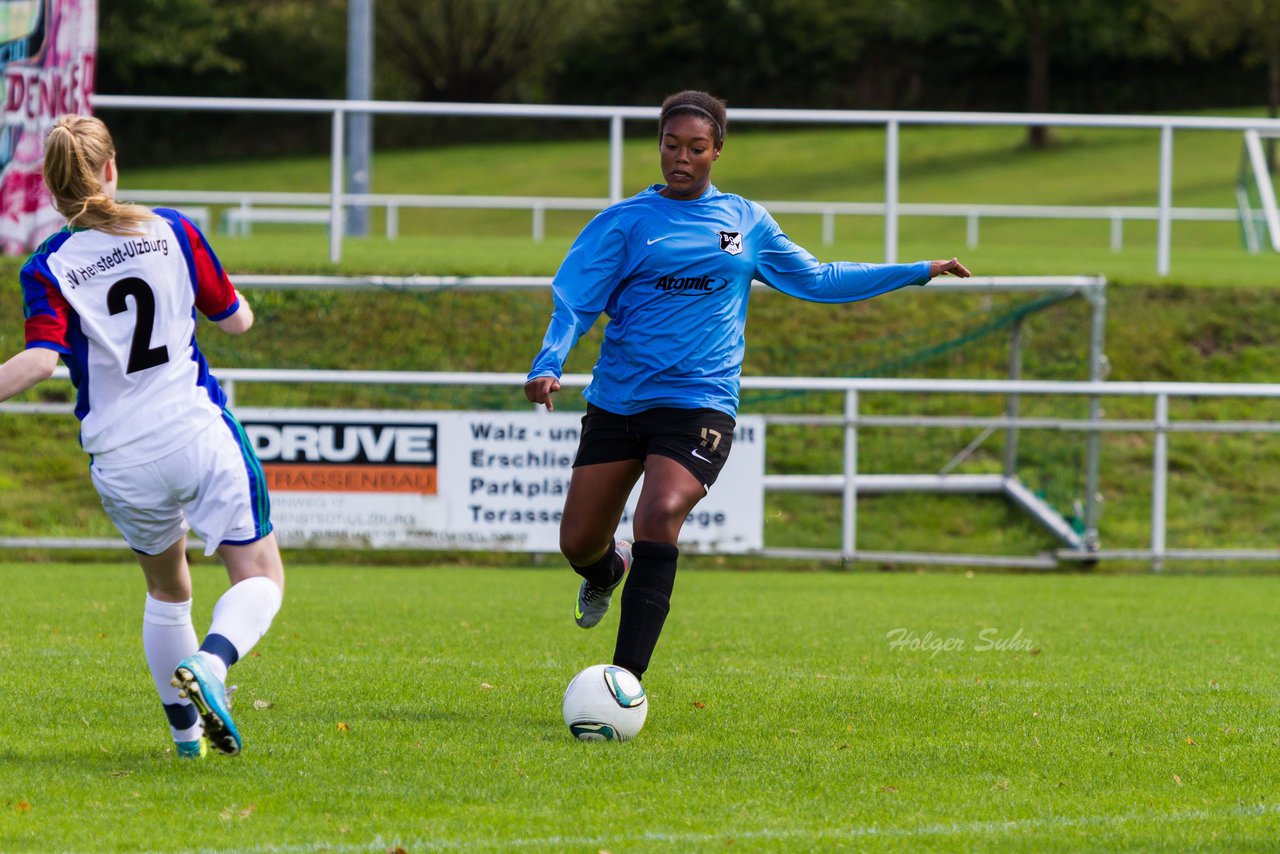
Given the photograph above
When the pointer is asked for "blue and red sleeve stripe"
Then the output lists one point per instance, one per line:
(48, 315)
(216, 297)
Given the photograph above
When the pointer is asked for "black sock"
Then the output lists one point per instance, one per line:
(646, 599)
(604, 571)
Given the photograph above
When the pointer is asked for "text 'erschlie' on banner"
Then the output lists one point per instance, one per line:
(463, 480)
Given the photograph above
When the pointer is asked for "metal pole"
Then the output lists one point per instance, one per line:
(891, 193)
(335, 190)
(849, 507)
(1097, 296)
(1164, 223)
(1159, 482)
(1011, 405)
(615, 159)
(360, 128)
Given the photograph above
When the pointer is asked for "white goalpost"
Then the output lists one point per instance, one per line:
(1256, 194)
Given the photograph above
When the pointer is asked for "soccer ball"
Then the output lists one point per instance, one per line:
(605, 703)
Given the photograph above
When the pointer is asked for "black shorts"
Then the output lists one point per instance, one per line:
(698, 439)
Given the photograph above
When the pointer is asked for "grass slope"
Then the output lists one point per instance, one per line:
(418, 707)
(1220, 484)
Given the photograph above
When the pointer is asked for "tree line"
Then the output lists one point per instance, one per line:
(1103, 56)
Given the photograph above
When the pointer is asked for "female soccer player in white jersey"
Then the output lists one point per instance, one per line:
(672, 268)
(115, 295)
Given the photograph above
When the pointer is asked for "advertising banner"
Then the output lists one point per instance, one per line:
(47, 50)
(463, 480)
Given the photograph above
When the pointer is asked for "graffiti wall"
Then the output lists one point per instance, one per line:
(47, 51)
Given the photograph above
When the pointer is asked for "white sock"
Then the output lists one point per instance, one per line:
(240, 618)
(167, 638)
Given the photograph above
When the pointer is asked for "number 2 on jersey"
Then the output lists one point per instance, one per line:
(141, 354)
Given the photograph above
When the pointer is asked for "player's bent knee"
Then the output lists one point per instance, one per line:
(660, 521)
(259, 558)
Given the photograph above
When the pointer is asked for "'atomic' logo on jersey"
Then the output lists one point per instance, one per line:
(691, 286)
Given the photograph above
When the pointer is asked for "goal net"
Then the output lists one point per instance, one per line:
(1046, 328)
(910, 443)
(1024, 328)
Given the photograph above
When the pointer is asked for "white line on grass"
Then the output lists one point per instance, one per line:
(767, 834)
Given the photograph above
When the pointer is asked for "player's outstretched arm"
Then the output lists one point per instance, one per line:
(24, 370)
(239, 322)
(948, 268)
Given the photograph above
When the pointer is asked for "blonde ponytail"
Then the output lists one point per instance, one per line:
(75, 150)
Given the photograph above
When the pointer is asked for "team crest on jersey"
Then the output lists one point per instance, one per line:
(731, 242)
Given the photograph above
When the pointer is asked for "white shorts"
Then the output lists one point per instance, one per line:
(214, 486)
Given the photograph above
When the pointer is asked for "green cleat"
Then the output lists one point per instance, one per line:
(209, 695)
(593, 602)
(197, 749)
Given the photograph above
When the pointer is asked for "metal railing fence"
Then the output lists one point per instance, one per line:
(891, 120)
(852, 482)
(246, 208)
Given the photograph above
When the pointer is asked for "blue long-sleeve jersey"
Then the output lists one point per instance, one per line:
(674, 277)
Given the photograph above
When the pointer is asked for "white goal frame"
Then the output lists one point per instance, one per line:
(1253, 161)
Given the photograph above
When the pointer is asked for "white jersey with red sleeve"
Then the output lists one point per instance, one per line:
(121, 310)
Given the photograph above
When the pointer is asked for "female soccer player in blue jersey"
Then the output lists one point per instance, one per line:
(672, 268)
(115, 295)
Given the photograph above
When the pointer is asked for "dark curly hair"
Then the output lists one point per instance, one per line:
(694, 103)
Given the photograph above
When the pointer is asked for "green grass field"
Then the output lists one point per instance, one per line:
(412, 701)
(417, 708)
